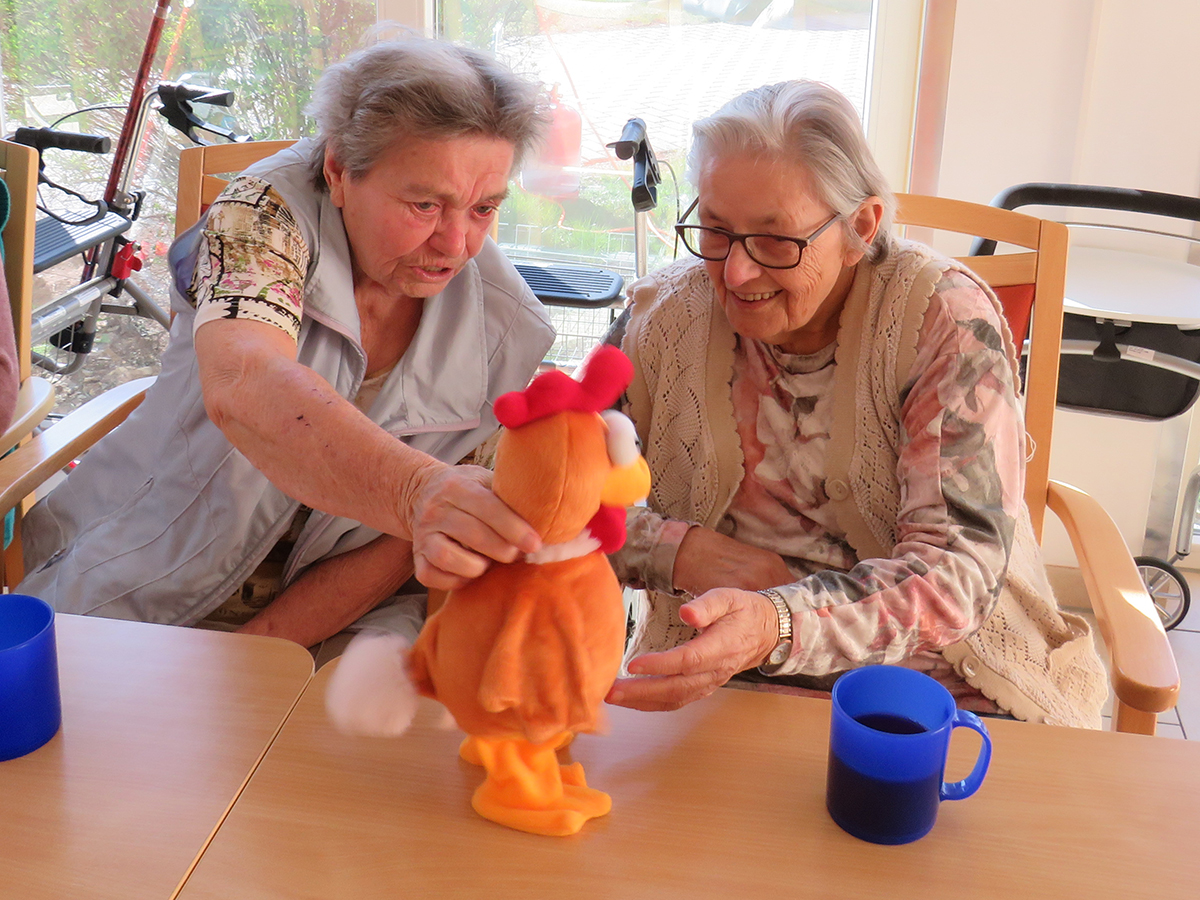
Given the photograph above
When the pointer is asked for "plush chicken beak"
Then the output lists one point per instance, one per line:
(626, 485)
(629, 480)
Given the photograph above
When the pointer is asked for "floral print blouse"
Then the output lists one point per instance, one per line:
(254, 260)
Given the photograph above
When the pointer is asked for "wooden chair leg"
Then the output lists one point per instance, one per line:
(1137, 721)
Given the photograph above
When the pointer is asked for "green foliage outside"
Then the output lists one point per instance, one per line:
(269, 51)
(61, 55)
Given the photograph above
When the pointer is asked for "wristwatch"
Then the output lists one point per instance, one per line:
(783, 648)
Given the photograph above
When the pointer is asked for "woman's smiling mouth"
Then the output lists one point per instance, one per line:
(755, 298)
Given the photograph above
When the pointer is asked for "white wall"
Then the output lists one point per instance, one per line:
(1083, 91)
(1091, 91)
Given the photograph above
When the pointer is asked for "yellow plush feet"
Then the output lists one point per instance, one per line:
(468, 752)
(528, 790)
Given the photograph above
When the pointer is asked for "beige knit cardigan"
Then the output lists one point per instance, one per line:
(1031, 658)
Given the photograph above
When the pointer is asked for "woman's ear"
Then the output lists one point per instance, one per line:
(335, 177)
(865, 223)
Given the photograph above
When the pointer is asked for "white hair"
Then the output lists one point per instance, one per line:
(812, 125)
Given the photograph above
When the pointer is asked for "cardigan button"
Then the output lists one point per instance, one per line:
(968, 668)
(837, 489)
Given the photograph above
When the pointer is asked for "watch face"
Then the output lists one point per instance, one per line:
(780, 654)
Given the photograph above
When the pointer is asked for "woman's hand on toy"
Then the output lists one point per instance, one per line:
(459, 527)
(738, 630)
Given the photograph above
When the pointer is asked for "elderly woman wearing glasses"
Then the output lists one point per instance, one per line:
(831, 420)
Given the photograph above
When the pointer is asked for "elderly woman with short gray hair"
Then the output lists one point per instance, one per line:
(342, 326)
(831, 420)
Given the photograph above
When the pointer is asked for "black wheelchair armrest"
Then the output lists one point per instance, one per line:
(1090, 196)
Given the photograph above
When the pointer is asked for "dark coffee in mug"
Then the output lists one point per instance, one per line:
(891, 723)
(864, 803)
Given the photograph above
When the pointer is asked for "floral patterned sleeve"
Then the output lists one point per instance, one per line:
(254, 259)
(647, 560)
(961, 472)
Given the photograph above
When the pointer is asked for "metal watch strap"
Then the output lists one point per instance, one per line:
(783, 646)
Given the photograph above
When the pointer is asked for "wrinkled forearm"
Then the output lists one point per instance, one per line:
(336, 592)
(311, 443)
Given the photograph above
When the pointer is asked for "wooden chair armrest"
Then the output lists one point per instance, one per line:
(30, 465)
(34, 400)
(1144, 674)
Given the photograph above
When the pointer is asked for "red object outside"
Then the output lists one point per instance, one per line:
(549, 173)
(124, 143)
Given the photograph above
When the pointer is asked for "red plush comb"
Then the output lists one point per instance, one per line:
(606, 372)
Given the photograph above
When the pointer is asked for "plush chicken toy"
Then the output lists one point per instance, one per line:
(523, 656)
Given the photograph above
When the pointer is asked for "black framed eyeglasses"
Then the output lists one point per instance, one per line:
(772, 251)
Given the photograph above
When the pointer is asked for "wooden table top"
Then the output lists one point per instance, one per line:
(161, 728)
(722, 799)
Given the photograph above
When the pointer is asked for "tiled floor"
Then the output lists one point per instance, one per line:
(1185, 641)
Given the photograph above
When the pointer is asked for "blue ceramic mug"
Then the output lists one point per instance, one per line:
(30, 708)
(888, 741)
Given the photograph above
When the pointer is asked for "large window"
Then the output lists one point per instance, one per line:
(664, 61)
(667, 62)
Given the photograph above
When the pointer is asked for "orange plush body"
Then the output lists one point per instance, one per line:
(546, 660)
(523, 656)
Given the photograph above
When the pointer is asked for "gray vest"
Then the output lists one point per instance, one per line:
(164, 518)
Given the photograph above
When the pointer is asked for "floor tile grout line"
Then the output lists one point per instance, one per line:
(1188, 673)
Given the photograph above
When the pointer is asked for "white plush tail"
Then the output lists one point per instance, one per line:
(369, 692)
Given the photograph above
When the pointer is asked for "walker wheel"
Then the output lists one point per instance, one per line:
(1167, 587)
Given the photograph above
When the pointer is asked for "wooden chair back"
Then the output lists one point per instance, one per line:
(1030, 285)
(35, 396)
(19, 168)
(201, 170)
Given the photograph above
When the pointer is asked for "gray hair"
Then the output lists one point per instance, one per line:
(412, 86)
(804, 123)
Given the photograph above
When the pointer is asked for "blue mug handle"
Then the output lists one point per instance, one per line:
(960, 790)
